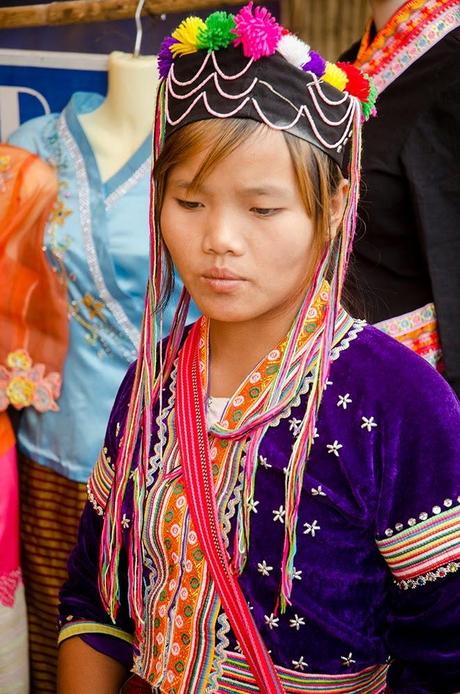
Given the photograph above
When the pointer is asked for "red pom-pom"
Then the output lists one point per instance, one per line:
(357, 84)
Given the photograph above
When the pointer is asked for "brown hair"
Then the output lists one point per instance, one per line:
(318, 176)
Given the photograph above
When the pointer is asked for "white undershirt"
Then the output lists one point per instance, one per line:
(214, 410)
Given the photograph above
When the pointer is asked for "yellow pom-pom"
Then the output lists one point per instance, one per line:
(186, 36)
(335, 76)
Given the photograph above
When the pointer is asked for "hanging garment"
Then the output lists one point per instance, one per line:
(407, 250)
(33, 345)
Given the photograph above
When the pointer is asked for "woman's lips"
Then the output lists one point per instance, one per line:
(222, 281)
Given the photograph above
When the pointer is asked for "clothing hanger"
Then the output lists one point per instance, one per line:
(138, 20)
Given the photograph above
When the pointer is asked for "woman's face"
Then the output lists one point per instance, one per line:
(242, 241)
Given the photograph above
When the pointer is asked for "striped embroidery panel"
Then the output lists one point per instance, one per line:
(418, 330)
(424, 547)
(100, 482)
(236, 678)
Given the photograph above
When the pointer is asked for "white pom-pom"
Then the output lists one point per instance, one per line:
(293, 50)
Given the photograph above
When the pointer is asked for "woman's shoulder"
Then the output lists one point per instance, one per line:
(383, 369)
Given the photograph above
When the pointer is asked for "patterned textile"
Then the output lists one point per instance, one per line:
(50, 508)
(411, 32)
(418, 331)
(417, 551)
(386, 448)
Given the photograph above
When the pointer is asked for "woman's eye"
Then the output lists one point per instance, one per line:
(265, 211)
(189, 204)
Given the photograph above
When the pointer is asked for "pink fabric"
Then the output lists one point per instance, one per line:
(9, 513)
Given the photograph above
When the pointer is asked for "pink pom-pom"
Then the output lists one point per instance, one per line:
(257, 31)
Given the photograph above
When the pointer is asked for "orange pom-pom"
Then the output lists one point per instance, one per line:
(357, 84)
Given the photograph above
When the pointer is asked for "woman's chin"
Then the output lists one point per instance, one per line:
(224, 312)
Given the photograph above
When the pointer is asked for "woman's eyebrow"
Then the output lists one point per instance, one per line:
(266, 189)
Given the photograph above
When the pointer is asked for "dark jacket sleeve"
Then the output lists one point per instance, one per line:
(418, 525)
(431, 158)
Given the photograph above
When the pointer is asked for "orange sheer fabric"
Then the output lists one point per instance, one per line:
(33, 298)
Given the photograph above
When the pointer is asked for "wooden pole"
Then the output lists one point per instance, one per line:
(81, 11)
(330, 26)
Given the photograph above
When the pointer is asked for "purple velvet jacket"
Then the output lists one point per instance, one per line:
(378, 559)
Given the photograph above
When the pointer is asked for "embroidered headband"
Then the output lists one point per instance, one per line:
(248, 66)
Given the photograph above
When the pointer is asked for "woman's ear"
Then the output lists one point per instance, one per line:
(338, 203)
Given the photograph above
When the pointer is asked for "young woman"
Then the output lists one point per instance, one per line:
(276, 506)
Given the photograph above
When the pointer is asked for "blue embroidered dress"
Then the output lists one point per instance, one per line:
(376, 597)
(98, 239)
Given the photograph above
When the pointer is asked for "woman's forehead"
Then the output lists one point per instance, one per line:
(257, 163)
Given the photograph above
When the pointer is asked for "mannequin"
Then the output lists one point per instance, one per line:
(383, 10)
(120, 125)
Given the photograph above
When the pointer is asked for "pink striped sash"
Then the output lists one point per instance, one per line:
(196, 465)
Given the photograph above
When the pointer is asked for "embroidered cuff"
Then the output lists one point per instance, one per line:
(79, 628)
(424, 551)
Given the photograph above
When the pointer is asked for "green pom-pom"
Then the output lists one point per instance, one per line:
(218, 32)
(369, 104)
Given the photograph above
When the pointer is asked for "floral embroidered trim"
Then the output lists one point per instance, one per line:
(418, 331)
(9, 584)
(237, 679)
(24, 384)
(82, 627)
(429, 577)
(343, 345)
(90, 250)
(415, 28)
(424, 547)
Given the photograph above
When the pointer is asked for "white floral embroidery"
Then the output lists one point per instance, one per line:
(297, 622)
(238, 648)
(295, 425)
(264, 569)
(315, 434)
(271, 621)
(297, 573)
(300, 664)
(347, 660)
(125, 521)
(368, 423)
(318, 491)
(311, 528)
(334, 447)
(344, 401)
(278, 515)
(263, 462)
(328, 383)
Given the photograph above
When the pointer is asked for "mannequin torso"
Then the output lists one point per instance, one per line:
(120, 125)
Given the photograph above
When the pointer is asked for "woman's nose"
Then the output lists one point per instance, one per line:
(223, 235)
